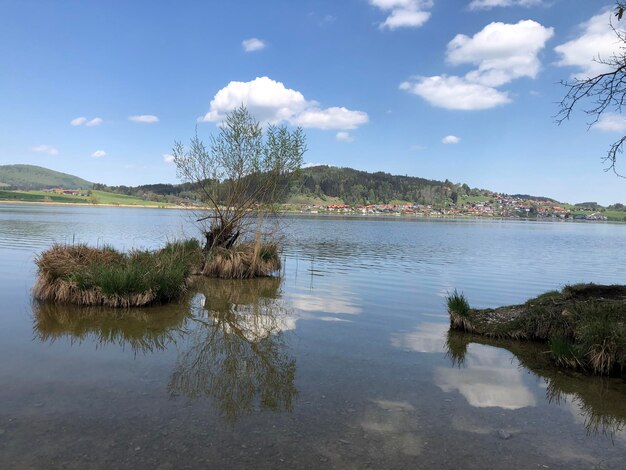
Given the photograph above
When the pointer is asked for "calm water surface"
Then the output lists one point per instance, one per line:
(345, 362)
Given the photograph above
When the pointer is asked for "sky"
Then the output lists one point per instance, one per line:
(464, 90)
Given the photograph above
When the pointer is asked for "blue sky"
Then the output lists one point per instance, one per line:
(458, 89)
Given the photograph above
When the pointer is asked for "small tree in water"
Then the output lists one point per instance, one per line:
(242, 174)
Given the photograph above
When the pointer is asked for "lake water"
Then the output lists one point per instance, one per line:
(345, 362)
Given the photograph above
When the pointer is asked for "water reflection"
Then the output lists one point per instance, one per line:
(595, 401)
(143, 330)
(237, 354)
(229, 336)
(488, 380)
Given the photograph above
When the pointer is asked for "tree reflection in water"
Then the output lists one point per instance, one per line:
(598, 400)
(237, 353)
(229, 334)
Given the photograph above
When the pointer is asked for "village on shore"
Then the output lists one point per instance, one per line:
(496, 205)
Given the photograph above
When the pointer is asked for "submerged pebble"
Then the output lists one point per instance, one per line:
(502, 434)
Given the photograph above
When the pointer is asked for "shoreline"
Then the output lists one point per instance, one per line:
(323, 214)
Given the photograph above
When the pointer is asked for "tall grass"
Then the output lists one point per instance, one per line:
(601, 335)
(244, 261)
(459, 310)
(83, 275)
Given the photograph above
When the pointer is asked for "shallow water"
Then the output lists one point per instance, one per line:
(344, 363)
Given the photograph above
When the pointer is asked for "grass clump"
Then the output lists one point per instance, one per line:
(83, 275)
(244, 261)
(584, 324)
(459, 310)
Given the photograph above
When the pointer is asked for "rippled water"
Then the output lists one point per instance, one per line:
(346, 362)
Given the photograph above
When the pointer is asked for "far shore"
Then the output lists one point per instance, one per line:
(316, 214)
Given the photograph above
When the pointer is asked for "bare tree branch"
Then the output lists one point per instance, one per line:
(604, 93)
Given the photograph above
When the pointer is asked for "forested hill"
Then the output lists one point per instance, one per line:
(320, 183)
(37, 177)
(359, 187)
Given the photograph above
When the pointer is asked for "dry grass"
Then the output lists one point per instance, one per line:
(244, 261)
(82, 275)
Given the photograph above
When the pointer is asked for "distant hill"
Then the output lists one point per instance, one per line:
(358, 187)
(36, 177)
(337, 185)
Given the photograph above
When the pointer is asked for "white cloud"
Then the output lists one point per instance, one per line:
(328, 304)
(344, 137)
(94, 122)
(453, 92)
(611, 123)
(597, 41)
(501, 52)
(168, 158)
(426, 338)
(253, 44)
(450, 139)
(99, 154)
(490, 378)
(271, 102)
(331, 118)
(488, 4)
(144, 118)
(79, 121)
(44, 148)
(404, 13)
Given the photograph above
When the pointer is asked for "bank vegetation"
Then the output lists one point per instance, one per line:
(584, 325)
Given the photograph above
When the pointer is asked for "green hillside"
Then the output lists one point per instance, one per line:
(331, 185)
(36, 177)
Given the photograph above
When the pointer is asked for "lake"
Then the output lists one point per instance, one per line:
(344, 362)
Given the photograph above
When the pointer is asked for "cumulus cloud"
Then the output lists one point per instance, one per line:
(144, 118)
(500, 52)
(44, 148)
(404, 13)
(489, 4)
(597, 41)
(271, 102)
(168, 158)
(99, 154)
(611, 123)
(450, 139)
(331, 118)
(253, 44)
(344, 137)
(79, 121)
(94, 122)
(455, 93)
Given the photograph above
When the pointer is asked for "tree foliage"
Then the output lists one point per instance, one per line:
(605, 92)
(238, 175)
(360, 187)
